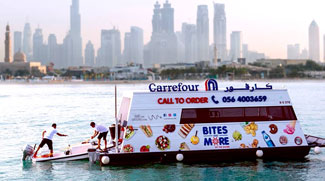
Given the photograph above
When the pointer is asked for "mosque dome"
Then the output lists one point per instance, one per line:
(19, 57)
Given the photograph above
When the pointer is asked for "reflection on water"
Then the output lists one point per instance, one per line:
(253, 170)
(27, 165)
(46, 166)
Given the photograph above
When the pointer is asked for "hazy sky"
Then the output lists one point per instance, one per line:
(267, 26)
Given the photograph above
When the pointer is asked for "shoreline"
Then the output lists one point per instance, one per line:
(150, 81)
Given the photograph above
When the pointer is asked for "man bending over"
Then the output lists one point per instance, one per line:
(102, 131)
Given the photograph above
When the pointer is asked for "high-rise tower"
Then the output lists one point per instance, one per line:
(52, 50)
(162, 47)
(190, 42)
(38, 46)
(75, 20)
(314, 41)
(27, 41)
(236, 45)
(17, 41)
(202, 32)
(89, 54)
(133, 46)
(220, 30)
(156, 19)
(73, 41)
(8, 45)
(109, 52)
(167, 18)
(293, 51)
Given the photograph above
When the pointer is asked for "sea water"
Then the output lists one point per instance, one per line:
(27, 109)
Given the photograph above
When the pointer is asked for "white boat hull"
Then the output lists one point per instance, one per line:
(78, 152)
(81, 156)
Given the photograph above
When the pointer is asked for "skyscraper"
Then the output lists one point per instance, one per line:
(17, 41)
(180, 47)
(304, 53)
(27, 41)
(314, 41)
(60, 57)
(167, 18)
(89, 54)
(127, 48)
(293, 51)
(73, 46)
(251, 56)
(133, 46)
(202, 32)
(75, 19)
(8, 57)
(190, 42)
(156, 19)
(38, 46)
(52, 49)
(67, 54)
(236, 45)
(220, 30)
(126, 55)
(109, 53)
(162, 47)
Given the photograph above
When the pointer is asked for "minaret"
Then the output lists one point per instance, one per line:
(8, 45)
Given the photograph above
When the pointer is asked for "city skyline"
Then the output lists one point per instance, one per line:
(245, 21)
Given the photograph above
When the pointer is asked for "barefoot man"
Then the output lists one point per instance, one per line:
(47, 139)
(102, 130)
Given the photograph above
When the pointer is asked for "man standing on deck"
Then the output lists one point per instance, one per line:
(102, 130)
(47, 139)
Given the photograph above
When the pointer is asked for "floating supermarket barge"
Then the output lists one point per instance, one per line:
(193, 123)
(180, 122)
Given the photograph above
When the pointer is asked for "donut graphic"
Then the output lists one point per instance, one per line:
(273, 129)
(283, 140)
(298, 140)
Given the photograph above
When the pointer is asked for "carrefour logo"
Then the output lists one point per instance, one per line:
(211, 85)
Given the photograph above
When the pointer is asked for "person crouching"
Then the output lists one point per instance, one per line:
(102, 131)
